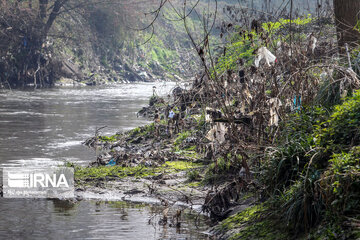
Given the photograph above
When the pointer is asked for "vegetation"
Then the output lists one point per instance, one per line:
(271, 125)
(139, 171)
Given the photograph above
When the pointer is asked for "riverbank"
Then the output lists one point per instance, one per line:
(165, 162)
(178, 160)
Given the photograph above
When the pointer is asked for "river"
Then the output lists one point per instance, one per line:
(46, 127)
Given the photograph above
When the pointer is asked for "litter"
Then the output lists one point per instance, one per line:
(112, 162)
(275, 104)
(264, 53)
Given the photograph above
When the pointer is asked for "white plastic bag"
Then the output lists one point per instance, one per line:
(264, 53)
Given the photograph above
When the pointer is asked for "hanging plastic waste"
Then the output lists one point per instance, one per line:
(312, 43)
(297, 103)
(275, 105)
(264, 53)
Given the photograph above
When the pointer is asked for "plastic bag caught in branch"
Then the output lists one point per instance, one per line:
(264, 53)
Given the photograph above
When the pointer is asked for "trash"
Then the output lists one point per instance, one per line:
(312, 43)
(212, 113)
(112, 162)
(275, 104)
(297, 103)
(264, 53)
(217, 133)
(171, 114)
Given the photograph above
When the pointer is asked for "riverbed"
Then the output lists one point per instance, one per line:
(46, 127)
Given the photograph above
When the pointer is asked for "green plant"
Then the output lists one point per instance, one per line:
(340, 183)
(342, 130)
(301, 205)
(285, 163)
(181, 137)
(193, 175)
(217, 170)
(112, 138)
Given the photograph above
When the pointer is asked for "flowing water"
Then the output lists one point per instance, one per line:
(46, 127)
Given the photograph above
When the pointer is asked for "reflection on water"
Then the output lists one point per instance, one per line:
(55, 219)
(46, 127)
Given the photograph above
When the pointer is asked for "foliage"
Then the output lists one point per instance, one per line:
(302, 206)
(181, 137)
(282, 23)
(340, 183)
(243, 44)
(315, 168)
(342, 130)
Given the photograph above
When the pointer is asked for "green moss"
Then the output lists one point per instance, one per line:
(194, 184)
(238, 219)
(263, 230)
(190, 152)
(180, 165)
(112, 138)
(112, 172)
(116, 172)
(249, 224)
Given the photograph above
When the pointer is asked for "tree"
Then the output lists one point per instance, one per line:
(347, 16)
(24, 29)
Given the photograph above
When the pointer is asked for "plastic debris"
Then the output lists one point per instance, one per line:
(297, 103)
(275, 105)
(171, 114)
(112, 162)
(312, 43)
(264, 53)
(217, 133)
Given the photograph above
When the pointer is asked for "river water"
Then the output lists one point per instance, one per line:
(46, 127)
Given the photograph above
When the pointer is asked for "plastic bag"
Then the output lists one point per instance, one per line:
(264, 53)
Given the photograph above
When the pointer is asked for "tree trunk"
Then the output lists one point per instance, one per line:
(43, 4)
(347, 14)
(54, 13)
